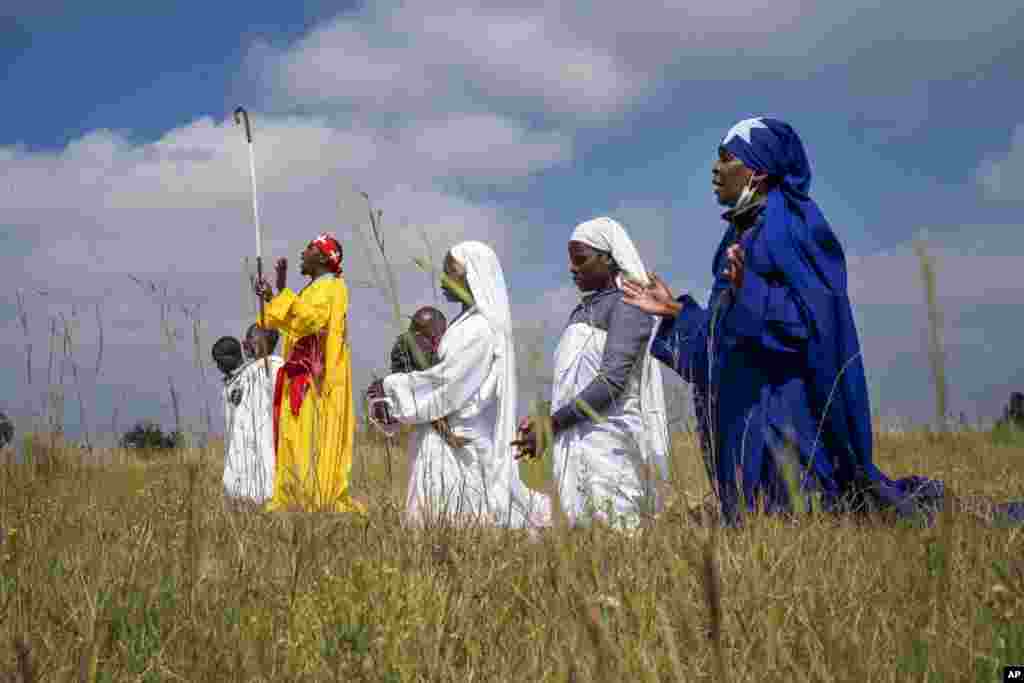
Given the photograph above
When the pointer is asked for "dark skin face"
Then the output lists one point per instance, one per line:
(729, 176)
(427, 323)
(227, 357)
(591, 269)
(456, 272)
(312, 262)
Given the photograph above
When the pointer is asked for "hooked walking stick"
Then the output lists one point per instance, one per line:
(242, 115)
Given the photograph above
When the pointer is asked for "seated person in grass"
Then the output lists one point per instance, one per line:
(247, 394)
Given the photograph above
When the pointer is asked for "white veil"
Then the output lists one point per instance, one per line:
(605, 234)
(487, 284)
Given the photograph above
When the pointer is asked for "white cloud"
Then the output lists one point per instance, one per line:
(185, 199)
(589, 61)
(178, 211)
(1003, 178)
(475, 145)
(980, 264)
(403, 58)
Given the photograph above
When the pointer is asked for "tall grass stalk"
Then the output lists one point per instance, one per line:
(713, 600)
(947, 538)
(23, 321)
(99, 341)
(70, 331)
(936, 353)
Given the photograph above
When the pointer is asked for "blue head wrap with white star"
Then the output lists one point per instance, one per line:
(767, 145)
(773, 147)
(797, 246)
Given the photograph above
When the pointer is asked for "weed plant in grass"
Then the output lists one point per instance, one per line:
(139, 571)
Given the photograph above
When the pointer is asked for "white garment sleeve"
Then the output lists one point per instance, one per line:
(425, 396)
(225, 398)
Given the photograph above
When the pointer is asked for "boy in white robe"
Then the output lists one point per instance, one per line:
(473, 385)
(248, 397)
(606, 468)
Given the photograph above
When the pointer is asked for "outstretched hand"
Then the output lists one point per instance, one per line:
(262, 289)
(656, 298)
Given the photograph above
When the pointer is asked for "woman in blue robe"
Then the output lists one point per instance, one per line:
(774, 359)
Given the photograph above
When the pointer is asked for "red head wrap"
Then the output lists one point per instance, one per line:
(330, 247)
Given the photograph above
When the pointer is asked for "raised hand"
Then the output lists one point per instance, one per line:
(281, 270)
(656, 298)
(734, 265)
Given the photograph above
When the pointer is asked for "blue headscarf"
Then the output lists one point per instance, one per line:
(804, 250)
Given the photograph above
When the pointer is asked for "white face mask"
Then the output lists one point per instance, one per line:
(746, 197)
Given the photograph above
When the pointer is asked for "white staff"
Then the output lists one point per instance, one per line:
(241, 114)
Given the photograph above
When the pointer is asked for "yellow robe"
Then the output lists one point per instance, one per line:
(314, 448)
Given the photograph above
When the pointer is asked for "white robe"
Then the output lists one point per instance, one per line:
(600, 466)
(479, 481)
(248, 397)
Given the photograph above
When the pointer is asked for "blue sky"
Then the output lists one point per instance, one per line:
(505, 123)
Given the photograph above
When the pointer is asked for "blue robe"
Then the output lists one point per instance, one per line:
(764, 362)
(776, 364)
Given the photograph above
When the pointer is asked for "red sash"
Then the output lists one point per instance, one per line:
(305, 363)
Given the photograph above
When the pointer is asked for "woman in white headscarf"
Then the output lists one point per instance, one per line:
(472, 476)
(610, 432)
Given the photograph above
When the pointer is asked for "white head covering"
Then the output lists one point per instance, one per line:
(486, 282)
(490, 296)
(608, 235)
(605, 234)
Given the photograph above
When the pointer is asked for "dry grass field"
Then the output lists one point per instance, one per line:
(136, 571)
(120, 568)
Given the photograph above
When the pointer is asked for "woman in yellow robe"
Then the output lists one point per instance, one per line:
(314, 411)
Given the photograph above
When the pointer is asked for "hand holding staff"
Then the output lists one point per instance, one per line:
(263, 290)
